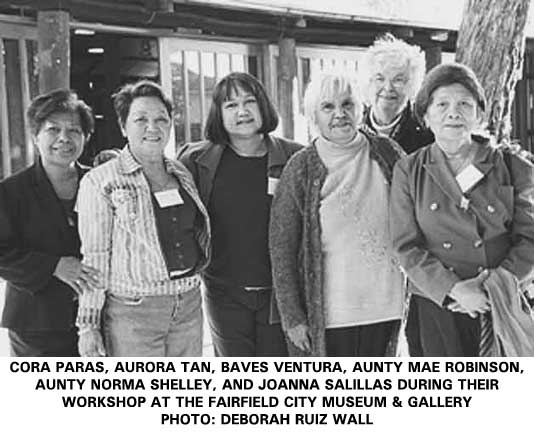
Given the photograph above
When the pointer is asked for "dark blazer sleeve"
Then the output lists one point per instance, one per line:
(186, 155)
(520, 258)
(285, 237)
(26, 269)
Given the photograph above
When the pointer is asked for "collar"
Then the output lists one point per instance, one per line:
(276, 153)
(128, 164)
(482, 158)
(41, 177)
(436, 166)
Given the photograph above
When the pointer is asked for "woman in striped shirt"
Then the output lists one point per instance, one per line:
(143, 225)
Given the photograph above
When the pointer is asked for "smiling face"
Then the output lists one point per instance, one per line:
(452, 115)
(241, 115)
(389, 86)
(60, 139)
(147, 126)
(337, 117)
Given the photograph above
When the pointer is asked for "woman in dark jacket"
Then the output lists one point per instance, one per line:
(236, 171)
(461, 213)
(39, 243)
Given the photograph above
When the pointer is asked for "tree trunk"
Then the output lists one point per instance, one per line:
(491, 41)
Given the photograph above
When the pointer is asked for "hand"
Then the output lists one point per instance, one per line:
(469, 296)
(300, 337)
(454, 306)
(78, 276)
(90, 343)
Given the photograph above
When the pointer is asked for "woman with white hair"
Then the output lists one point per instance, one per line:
(338, 288)
(392, 71)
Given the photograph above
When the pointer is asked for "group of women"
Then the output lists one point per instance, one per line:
(301, 250)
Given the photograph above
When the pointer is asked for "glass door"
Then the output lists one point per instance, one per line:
(18, 84)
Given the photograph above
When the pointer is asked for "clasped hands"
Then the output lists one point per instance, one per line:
(469, 296)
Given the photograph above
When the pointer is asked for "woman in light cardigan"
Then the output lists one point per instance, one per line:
(338, 288)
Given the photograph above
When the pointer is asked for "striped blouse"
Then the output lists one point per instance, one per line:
(119, 235)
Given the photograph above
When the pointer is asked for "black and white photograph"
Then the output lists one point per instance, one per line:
(258, 215)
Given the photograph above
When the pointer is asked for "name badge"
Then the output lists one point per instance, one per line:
(168, 198)
(271, 185)
(469, 177)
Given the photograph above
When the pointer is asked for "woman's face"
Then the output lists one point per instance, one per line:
(147, 126)
(60, 139)
(241, 115)
(452, 115)
(337, 117)
(389, 86)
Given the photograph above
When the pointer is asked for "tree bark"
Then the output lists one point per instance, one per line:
(491, 41)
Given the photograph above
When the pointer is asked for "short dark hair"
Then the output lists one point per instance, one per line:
(443, 75)
(59, 101)
(215, 131)
(123, 98)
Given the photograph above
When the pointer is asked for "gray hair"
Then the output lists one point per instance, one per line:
(326, 86)
(389, 45)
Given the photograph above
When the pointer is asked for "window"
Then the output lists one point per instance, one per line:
(18, 84)
(189, 71)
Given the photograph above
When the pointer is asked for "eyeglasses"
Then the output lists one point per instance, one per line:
(397, 82)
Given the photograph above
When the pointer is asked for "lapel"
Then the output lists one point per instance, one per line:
(276, 154)
(483, 160)
(46, 196)
(436, 166)
(207, 162)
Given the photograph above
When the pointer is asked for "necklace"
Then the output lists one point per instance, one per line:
(384, 128)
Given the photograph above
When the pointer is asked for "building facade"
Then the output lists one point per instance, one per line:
(94, 46)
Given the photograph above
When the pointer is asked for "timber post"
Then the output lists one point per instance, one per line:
(432, 56)
(287, 76)
(54, 49)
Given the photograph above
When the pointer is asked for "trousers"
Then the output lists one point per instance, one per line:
(239, 322)
(370, 340)
(153, 326)
(43, 343)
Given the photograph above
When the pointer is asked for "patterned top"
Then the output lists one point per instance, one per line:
(119, 235)
(362, 280)
(295, 237)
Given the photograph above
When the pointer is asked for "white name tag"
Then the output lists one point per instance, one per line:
(469, 177)
(168, 198)
(271, 185)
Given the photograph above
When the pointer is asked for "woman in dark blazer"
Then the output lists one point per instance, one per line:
(236, 171)
(461, 211)
(39, 243)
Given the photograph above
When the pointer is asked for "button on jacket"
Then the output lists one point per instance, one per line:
(491, 225)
